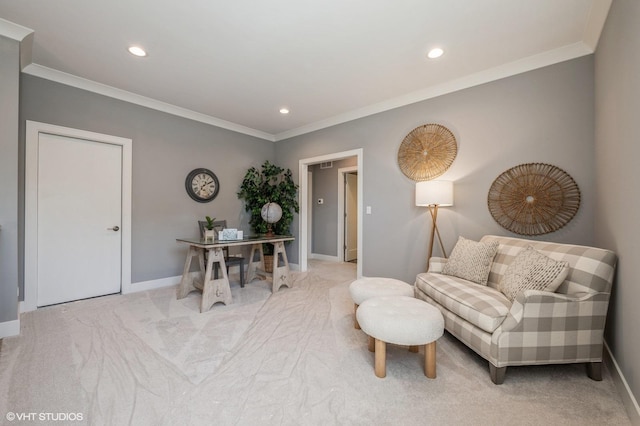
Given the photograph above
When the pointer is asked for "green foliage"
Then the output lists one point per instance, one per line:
(271, 184)
(210, 221)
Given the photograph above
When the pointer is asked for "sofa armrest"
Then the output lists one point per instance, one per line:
(550, 328)
(546, 311)
(436, 264)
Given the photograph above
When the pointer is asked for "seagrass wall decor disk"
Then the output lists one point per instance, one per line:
(533, 199)
(427, 152)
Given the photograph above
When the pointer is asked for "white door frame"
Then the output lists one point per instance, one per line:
(303, 168)
(31, 204)
(310, 212)
(341, 209)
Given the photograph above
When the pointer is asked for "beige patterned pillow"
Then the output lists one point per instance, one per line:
(532, 270)
(471, 260)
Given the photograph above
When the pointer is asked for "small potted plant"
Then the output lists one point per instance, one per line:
(209, 232)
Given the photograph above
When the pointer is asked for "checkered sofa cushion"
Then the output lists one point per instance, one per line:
(590, 269)
(541, 327)
(436, 264)
(482, 306)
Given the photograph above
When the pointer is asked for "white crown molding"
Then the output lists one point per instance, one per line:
(102, 89)
(597, 17)
(13, 31)
(544, 59)
(592, 31)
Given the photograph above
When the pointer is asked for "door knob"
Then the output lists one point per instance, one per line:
(114, 229)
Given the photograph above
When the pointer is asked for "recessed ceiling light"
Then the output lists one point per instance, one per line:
(435, 53)
(284, 110)
(137, 51)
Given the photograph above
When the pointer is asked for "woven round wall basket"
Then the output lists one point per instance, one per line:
(533, 199)
(427, 152)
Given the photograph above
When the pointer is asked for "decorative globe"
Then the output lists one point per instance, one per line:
(271, 212)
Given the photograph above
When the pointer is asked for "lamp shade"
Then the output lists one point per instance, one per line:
(434, 192)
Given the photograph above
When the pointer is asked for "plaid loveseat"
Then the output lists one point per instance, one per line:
(538, 327)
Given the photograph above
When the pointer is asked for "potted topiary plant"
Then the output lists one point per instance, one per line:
(209, 232)
(271, 184)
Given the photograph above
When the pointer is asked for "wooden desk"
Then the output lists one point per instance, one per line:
(218, 290)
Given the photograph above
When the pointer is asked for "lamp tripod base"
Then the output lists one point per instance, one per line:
(433, 209)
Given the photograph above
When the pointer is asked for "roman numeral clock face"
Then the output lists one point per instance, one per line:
(202, 185)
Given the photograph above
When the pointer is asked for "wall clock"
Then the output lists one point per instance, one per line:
(202, 185)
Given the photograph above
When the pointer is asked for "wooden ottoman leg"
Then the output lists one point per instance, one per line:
(414, 349)
(430, 360)
(355, 319)
(381, 359)
(372, 347)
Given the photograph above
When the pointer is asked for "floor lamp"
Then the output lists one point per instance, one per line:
(434, 194)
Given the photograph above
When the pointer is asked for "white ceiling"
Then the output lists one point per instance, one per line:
(236, 63)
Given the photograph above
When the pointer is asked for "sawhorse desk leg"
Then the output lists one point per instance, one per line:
(188, 281)
(254, 265)
(213, 290)
(280, 275)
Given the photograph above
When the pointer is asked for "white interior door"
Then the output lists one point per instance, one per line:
(351, 217)
(79, 219)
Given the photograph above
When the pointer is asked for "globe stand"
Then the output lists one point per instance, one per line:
(271, 213)
(269, 230)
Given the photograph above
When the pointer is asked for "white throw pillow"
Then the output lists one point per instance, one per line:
(471, 260)
(532, 270)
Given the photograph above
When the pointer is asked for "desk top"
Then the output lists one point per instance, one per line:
(252, 239)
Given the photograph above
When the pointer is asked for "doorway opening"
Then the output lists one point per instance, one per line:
(304, 219)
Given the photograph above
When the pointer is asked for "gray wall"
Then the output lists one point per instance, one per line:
(9, 90)
(165, 149)
(325, 216)
(544, 115)
(617, 148)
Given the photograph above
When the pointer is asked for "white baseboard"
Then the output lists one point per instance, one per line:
(154, 284)
(326, 258)
(168, 282)
(9, 328)
(628, 399)
(159, 283)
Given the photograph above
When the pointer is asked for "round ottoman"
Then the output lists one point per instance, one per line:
(366, 288)
(401, 320)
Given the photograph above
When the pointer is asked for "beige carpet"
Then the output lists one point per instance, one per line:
(291, 358)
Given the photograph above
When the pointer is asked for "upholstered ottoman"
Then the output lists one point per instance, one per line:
(366, 288)
(401, 320)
